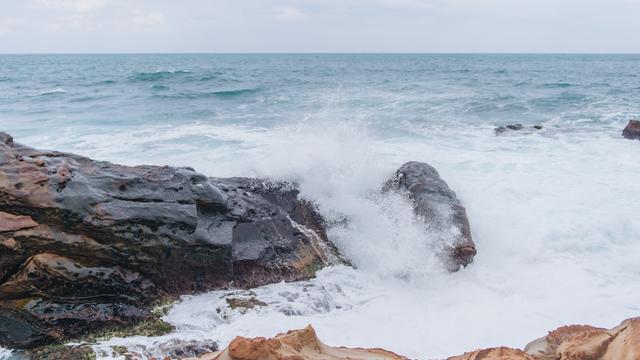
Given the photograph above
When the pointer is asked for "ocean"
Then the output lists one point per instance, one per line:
(553, 212)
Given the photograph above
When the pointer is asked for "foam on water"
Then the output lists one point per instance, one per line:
(552, 212)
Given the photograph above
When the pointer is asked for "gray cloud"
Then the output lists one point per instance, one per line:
(319, 26)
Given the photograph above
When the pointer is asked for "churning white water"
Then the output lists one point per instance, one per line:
(553, 215)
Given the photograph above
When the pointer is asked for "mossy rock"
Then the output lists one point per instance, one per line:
(63, 352)
(250, 303)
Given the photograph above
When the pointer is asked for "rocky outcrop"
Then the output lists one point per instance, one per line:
(439, 208)
(632, 130)
(527, 129)
(575, 342)
(499, 353)
(297, 344)
(88, 245)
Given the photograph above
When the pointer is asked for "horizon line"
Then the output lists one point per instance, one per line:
(319, 53)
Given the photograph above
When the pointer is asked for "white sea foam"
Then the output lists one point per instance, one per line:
(552, 213)
(53, 91)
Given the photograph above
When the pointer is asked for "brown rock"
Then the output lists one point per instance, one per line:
(87, 244)
(10, 222)
(586, 342)
(632, 130)
(574, 342)
(500, 353)
(295, 345)
(548, 345)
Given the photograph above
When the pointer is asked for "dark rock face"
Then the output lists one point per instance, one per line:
(517, 127)
(439, 208)
(632, 130)
(87, 245)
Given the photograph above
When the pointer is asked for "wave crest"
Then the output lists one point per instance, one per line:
(157, 75)
(209, 94)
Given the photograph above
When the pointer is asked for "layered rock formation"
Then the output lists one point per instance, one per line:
(439, 208)
(87, 245)
(297, 344)
(632, 130)
(499, 353)
(575, 342)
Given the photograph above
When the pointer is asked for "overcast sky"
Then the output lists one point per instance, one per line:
(88, 26)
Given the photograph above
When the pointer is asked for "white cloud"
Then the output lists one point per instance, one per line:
(8, 25)
(289, 14)
(149, 19)
(73, 5)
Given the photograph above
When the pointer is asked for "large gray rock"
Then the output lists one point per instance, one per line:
(440, 210)
(87, 245)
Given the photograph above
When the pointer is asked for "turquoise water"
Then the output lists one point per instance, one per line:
(553, 213)
(395, 92)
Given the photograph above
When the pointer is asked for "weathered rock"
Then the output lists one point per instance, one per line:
(632, 130)
(239, 303)
(179, 349)
(74, 352)
(499, 353)
(579, 342)
(439, 208)
(295, 345)
(575, 342)
(171, 349)
(87, 244)
(548, 345)
(517, 127)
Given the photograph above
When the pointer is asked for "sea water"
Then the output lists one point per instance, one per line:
(553, 213)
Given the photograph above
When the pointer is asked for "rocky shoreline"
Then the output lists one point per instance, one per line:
(87, 246)
(574, 342)
(91, 249)
(94, 249)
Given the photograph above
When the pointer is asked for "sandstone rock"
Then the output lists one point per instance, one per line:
(500, 353)
(439, 208)
(579, 342)
(295, 345)
(88, 244)
(632, 130)
(574, 342)
(548, 345)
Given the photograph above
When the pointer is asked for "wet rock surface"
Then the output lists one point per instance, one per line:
(523, 129)
(439, 208)
(632, 130)
(87, 245)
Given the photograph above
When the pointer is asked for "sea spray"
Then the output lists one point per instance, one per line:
(552, 213)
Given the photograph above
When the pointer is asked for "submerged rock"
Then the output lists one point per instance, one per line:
(239, 303)
(575, 342)
(439, 208)
(296, 344)
(517, 127)
(632, 130)
(87, 245)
